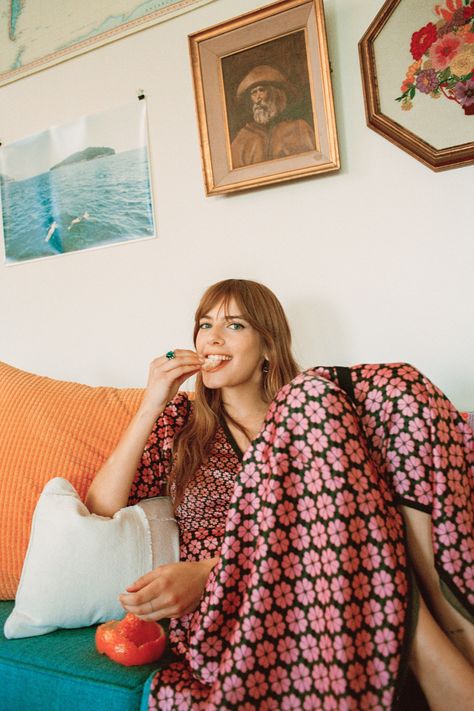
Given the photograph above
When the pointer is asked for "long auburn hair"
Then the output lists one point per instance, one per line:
(261, 308)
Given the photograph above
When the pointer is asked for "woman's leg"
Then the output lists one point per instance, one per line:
(457, 627)
(309, 607)
(445, 676)
(425, 450)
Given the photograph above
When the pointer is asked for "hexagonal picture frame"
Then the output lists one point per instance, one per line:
(417, 64)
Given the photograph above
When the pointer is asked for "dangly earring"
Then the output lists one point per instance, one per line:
(265, 366)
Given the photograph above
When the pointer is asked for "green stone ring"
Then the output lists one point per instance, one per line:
(170, 355)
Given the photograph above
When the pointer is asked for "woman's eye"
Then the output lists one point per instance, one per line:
(204, 325)
(236, 326)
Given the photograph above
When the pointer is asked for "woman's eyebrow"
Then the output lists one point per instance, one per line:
(226, 317)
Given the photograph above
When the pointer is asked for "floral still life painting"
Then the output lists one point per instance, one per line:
(443, 54)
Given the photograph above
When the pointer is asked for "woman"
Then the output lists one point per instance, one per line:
(294, 589)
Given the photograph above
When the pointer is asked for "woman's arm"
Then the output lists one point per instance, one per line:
(110, 488)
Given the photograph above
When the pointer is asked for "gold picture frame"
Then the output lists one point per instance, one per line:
(406, 63)
(264, 99)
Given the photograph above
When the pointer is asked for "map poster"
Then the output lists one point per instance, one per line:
(35, 35)
(78, 186)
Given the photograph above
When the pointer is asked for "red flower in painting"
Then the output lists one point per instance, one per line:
(422, 40)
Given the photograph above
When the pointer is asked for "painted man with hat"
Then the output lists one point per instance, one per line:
(272, 131)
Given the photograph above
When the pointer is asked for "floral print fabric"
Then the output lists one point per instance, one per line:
(309, 606)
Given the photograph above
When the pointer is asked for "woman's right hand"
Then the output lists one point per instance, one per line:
(166, 375)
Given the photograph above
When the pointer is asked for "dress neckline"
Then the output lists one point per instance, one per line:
(231, 439)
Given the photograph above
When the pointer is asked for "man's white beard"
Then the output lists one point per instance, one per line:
(264, 112)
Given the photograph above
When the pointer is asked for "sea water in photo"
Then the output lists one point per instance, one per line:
(81, 205)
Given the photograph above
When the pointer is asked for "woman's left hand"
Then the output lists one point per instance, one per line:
(170, 590)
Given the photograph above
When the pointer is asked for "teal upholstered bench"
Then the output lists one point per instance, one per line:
(62, 671)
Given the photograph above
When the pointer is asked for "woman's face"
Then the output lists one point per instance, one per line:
(232, 347)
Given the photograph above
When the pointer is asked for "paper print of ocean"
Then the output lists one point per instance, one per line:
(93, 197)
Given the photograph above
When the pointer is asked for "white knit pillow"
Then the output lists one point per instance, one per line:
(78, 563)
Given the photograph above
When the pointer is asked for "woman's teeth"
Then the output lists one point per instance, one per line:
(212, 361)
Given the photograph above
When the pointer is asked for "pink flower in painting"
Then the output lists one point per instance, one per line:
(326, 648)
(319, 535)
(279, 680)
(444, 50)
(282, 438)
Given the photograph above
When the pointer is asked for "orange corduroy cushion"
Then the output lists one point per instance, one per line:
(49, 428)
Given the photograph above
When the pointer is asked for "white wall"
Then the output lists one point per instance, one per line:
(372, 263)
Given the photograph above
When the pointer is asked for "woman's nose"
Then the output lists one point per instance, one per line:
(215, 336)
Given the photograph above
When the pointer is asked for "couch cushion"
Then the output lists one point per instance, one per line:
(49, 428)
(78, 563)
(63, 670)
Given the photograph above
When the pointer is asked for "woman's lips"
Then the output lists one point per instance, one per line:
(214, 361)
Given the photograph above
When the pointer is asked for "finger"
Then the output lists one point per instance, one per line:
(142, 582)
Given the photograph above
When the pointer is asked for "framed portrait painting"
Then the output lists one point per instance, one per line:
(264, 98)
(417, 62)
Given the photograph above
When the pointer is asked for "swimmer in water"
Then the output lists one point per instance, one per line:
(52, 229)
(76, 220)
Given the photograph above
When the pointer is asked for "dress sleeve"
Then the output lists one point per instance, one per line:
(152, 473)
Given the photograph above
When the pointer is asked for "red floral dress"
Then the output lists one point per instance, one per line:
(310, 605)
